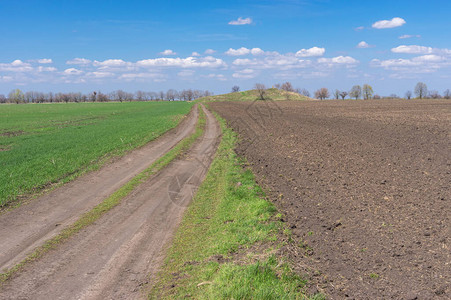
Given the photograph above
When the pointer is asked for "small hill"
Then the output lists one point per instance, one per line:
(251, 95)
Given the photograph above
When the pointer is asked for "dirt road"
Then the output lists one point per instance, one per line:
(113, 258)
(364, 187)
(30, 225)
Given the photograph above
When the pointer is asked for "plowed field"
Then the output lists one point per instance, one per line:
(364, 186)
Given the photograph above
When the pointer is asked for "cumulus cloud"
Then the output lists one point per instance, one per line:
(408, 36)
(195, 53)
(168, 52)
(72, 71)
(415, 49)
(241, 21)
(314, 51)
(16, 66)
(46, 69)
(412, 49)
(45, 61)
(384, 24)
(363, 45)
(245, 74)
(421, 64)
(339, 60)
(78, 61)
(189, 62)
(210, 51)
(111, 63)
(237, 52)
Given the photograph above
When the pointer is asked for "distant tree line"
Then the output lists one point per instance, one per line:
(356, 92)
(17, 96)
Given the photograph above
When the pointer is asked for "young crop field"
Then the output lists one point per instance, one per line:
(43, 144)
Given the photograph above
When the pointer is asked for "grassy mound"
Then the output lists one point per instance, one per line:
(251, 95)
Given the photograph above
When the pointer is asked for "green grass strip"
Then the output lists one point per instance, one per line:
(112, 201)
(224, 248)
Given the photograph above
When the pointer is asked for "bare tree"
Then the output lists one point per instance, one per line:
(235, 89)
(447, 94)
(277, 86)
(421, 90)
(367, 91)
(434, 95)
(261, 90)
(408, 95)
(304, 92)
(376, 97)
(337, 94)
(355, 92)
(343, 95)
(2, 98)
(287, 86)
(322, 94)
(140, 95)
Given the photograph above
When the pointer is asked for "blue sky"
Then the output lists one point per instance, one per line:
(156, 45)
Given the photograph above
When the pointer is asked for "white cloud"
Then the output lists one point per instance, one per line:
(314, 51)
(359, 28)
(45, 61)
(363, 45)
(241, 21)
(16, 66)
(78, 61)
(339, 60)
(383, 24)
(245, 74)
(421, 64)
(412, 49)
(73, 71)
(189, 62)
(98, 74)
(237, 52)
(142, 77)
(46, 69)
(220, 77)
(415, 49)
(257, 51)
(186, 73)
(111, 63)
(195, 53)
(408, 36)
(168, 52)
(210, 51)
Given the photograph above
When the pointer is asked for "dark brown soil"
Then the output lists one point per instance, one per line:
(365, 187)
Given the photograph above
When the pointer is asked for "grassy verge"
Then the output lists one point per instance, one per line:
(113, 200)
(225, 247)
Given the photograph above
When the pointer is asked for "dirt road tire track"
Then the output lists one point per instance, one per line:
(25, 228)
(113, 258)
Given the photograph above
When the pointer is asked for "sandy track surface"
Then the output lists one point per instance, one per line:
(30, 225)
(113, 258)
(364, 187)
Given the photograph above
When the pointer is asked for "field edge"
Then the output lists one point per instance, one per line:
(228, 241)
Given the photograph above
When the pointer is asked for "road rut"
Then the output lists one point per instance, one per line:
(121, 252)
(30, 225)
